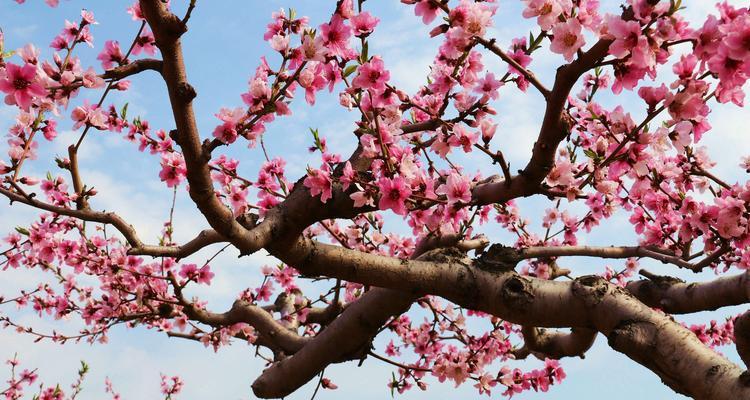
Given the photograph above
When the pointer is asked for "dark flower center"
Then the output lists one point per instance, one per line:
(21, 84)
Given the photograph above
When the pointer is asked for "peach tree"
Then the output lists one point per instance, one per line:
(394, 240)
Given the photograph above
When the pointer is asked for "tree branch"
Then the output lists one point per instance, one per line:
(111, 218)
(646, 336)
(742, 337)
(677, 297)
(133, 68)
(167, 29)
(555, 127)
(491, 46)
(349, 336)
(205, 238)
(544, 344)
(618, 252)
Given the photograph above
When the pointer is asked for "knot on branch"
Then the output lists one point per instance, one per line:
(186, 92)
(661, 281)
(516, 292)
(248, 220)
(448, 255)
(174, 26)
(165, 310)
(174, 134)
(591, 289)
(499, 258)
(745, 378)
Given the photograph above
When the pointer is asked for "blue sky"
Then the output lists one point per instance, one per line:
(222, 50)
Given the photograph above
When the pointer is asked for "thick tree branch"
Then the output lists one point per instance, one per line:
(351, 333)
(271, 333)
(677, 297)
(742, 337)
(167, 29)
(646, 336)
(544, 344)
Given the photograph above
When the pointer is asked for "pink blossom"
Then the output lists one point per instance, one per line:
(457, 189)
(312, 48)
(280, 43)
(681, 135)
(21, 86)
(91, 80)
(319, 183)
(227, 132)
(146, 43)
(171, 386)
(730, 222)
(568, 38)
(89, 115)
(626, 35)
(561, 174)
(173, 169)
(336, 36)
(362, 199)
(472, 17)
(372, 75)
(546, 11)
(364, 23)
(738, 40)
(393, 194)
(427, 9)
(653, 95)
(463, 138)
(312, 80)
(238, 199)
(485, 384)
(348, 175)
(488, 130)
(488, 86)
(111, 56)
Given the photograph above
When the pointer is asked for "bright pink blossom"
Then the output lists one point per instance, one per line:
(372, 75)
(393, 194)
(173, 169)
(21, 86)
(457, 189)
(336, 36)
(364, 23)
(111, 56)
(319, 183)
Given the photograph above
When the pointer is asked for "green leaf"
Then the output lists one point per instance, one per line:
(84, 368)
(349, 70)
(590, 154)
(22, 231)
(124, 111)
(316, 137)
